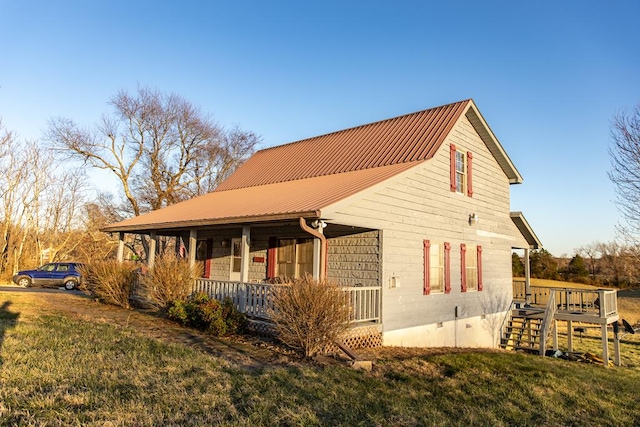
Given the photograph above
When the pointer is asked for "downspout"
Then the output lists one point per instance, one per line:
(323, 246)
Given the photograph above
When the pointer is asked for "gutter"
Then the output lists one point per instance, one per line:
(323, 246)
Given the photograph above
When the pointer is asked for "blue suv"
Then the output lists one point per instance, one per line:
(53, 274)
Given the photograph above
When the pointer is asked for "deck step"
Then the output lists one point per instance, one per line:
(523, 330)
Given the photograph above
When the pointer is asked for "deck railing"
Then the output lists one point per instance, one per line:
(256, 299)
(596, 302)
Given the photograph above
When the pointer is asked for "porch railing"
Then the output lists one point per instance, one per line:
(256, 299)
(596, 302)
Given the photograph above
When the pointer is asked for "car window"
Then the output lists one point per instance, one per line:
(47, 267)
(63, 267)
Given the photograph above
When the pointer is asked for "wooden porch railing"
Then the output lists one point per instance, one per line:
(596, 302)
(255, 299)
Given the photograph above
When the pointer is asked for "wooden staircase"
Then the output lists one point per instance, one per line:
(523, 330)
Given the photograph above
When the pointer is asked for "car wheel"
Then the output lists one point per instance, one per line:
(69, 284)
(25, 282)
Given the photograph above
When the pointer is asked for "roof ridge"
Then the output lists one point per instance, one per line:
(406, 138)
(362, 125)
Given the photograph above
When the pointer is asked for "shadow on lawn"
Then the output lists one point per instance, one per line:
(8, 320)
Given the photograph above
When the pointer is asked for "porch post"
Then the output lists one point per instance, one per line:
(151, 258)
(616, 344)
(527, 277)
(569, 336)
(244, 254)
(317, 258)
(120, 247)
(193, 246)
(605, 346)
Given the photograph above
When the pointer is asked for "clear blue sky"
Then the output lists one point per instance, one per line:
(548, 76)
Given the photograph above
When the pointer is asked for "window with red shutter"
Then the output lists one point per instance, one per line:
(479, 268)
(452, 166)
(271, 258)
(447, 268)
(463, 267)
(469, 173)
(426, 288)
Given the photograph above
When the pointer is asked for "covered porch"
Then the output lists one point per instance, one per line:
(256, 299)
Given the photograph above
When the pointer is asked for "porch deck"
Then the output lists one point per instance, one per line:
(529, 326)
(598, 306)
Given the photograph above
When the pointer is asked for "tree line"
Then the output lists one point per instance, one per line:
(158, 148)
(601, 264)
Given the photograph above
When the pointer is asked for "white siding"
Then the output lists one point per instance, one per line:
(418, 205)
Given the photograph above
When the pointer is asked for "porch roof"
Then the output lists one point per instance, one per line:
(525, 229)
(270, 202)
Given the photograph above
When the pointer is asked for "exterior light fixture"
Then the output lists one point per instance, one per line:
(473, 218)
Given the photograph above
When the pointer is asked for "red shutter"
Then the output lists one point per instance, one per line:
(426, 289)
(271, 258)
(479, 268)
(447, 268)
(452, 166)
(463, 267)
(207, 261)
(469, 173)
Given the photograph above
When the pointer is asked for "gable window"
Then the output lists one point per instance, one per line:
(436, 267)
(471, 267)
(461, 171)
(294, 257)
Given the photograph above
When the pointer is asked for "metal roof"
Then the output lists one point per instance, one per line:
(301, 178)
(269, 202)
(408, 138)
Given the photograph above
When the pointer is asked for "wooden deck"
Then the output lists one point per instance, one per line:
(534, 320)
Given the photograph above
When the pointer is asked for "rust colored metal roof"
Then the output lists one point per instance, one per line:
(283, 200)
(409, 138)
(301, 178)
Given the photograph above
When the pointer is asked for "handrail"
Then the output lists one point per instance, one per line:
(547, 322)
(255, 299)
(596, 302)
(506, 318)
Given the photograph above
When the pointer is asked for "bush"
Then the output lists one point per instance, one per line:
(170, 279)
(207, 314)
(109, 280)
(308, 314)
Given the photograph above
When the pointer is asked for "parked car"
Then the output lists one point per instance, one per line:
(53, 274)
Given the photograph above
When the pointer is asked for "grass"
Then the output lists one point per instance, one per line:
(59, 370)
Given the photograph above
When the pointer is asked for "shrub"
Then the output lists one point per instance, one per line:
(109, 280)
(170, 279)
(308, 314)
(207, 314)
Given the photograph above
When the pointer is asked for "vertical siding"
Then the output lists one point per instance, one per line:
(419, 205)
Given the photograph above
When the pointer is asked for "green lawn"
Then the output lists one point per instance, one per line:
(61, 370)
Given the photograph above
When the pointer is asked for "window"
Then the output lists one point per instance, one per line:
(294, 257)
(461, 169)
(471, 267)
(471, 264)
(436, 268)
(461, 172)
(236, 255)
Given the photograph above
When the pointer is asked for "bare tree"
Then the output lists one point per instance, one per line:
(592, 252)
(624, 150)
(161, 149)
